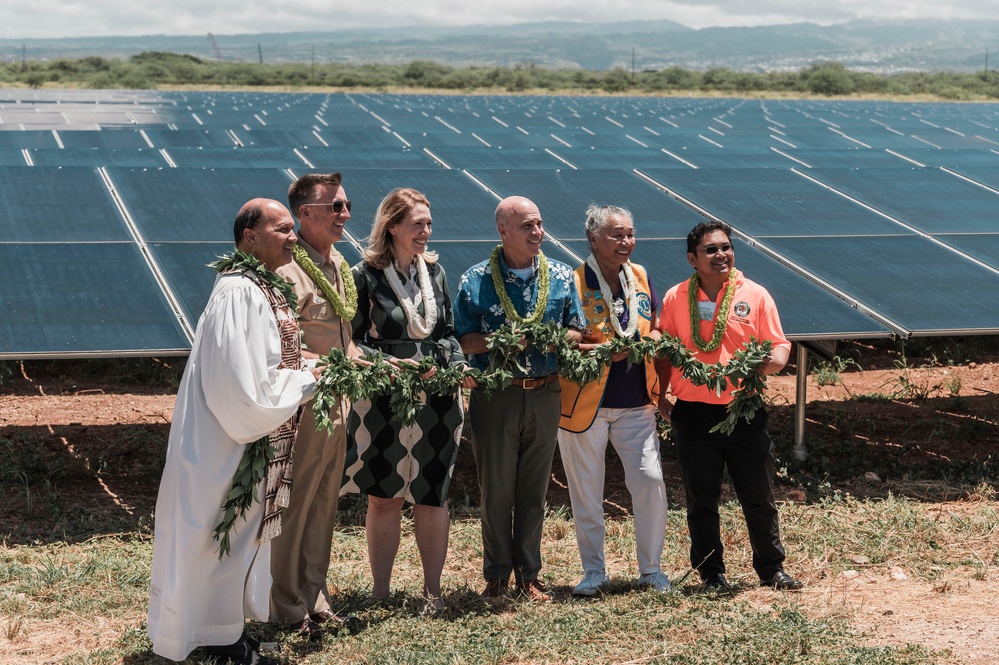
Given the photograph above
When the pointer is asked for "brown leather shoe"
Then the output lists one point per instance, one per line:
(323, 616)
(309, 629)
(331, 621)
(495, 588)
(534, 590)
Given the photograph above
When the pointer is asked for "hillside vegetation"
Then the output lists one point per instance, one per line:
(153, 70)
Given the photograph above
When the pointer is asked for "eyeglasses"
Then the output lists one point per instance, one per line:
(337, 206)
(711, 250)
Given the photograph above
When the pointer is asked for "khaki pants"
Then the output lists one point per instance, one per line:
(300, 556)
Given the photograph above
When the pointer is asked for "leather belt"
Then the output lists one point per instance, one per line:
(534, 382)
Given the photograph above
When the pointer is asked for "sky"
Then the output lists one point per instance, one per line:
(27, 19)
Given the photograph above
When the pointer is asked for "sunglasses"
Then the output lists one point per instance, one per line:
(711, 250)
(337, 206)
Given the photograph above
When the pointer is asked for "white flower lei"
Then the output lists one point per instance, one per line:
(419, 326)
(628, 287)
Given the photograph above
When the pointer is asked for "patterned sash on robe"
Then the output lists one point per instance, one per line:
(278, 488)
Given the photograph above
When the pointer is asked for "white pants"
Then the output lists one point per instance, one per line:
(632, 432)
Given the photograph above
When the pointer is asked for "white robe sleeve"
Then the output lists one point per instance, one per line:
(240, 352)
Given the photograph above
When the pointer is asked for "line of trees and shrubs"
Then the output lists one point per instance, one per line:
(153, 69)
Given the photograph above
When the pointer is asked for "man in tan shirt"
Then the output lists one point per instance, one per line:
(300, 556)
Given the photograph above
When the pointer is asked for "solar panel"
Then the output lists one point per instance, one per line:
(773, 202)
(986, 175)
(627, 158)
(12, 158)
(897, 276)
(197, 138)
(193, 205)
(96, 157)
(342, 158)
(235, 158)
(982, 246)
(952, 158)
(458, 256)
(461, 209)
(19, 140)
(49, 204)
(277, 138)
(360, 137)
(481, 157)
(82, 299)
(107, 139)
(928, 199)
(184, 265)
(849, 157)
(128, 174)
(563, 195)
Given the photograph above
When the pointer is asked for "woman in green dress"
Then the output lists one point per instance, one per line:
(404, 311)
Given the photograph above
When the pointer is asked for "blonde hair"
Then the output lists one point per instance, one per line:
(391, 211)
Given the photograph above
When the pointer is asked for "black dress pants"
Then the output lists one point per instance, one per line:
(748, 453)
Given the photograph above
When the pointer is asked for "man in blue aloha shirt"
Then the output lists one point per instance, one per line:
(514, 430)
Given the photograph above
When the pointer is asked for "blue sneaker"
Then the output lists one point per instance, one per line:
(591, 583)
(657, 581)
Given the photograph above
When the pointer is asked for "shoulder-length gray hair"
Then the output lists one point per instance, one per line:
(392, 210)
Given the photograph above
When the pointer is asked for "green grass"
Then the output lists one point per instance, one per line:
(94, 594)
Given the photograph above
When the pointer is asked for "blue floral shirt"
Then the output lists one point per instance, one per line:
(477, 308)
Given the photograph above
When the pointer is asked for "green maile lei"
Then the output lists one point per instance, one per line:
(250, 264)
(404, 385)
(721, 314)
(257, 456)
(346, 307)
(544, 286)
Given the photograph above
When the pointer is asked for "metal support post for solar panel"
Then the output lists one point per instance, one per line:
(801, 385)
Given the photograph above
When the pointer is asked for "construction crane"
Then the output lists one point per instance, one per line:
(215, 45)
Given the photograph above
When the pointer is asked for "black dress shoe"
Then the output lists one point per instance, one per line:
(782, 582)
(243, 652)
(309, 629)
(716, 582)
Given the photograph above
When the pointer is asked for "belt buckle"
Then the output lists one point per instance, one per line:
(535, 382)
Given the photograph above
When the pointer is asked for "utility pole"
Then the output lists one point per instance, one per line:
(985, 75)
(632, 65)
(313, 62)
(24, 57)
(260, 52)
(215, 46)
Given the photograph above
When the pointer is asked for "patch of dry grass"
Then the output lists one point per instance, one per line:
(86, 602)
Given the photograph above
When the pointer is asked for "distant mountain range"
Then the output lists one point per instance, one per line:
(879, 47)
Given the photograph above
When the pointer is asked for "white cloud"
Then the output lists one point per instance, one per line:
(82, 18)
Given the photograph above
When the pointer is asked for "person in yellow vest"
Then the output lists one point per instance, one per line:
(618, 301)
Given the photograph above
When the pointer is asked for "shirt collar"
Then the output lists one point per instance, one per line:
(318, 258)
(508, 271)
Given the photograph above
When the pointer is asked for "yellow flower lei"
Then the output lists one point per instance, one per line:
(499, 284)
(345, 309)
(721, 324)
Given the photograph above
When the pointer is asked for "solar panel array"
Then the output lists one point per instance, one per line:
(863, 219)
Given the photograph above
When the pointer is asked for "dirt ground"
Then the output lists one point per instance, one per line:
(954, 421)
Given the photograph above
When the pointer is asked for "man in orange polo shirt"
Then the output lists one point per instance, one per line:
(729, 309)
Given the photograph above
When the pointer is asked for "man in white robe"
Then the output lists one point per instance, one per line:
(235, 390)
